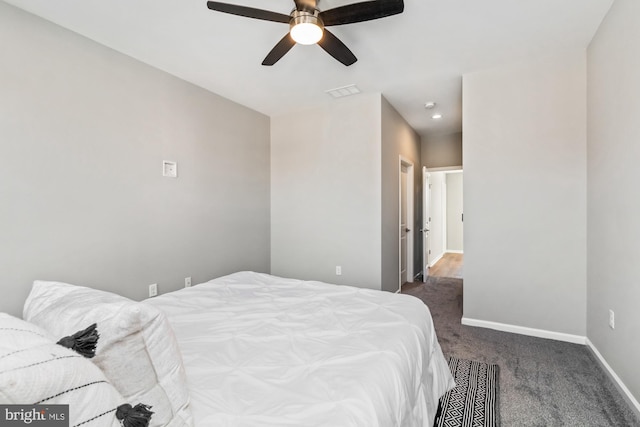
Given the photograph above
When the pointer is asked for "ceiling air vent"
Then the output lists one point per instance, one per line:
(340, 92)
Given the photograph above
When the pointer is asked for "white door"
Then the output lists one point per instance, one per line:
(403, 224)
(426, 221)
(406, 223)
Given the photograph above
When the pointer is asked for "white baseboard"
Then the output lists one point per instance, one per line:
(540, 333)
(626, 393)
(451, 251)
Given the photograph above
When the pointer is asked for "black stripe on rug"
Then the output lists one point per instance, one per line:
(474, 401)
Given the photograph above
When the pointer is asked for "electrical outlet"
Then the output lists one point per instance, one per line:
(187, 282)
(169, 169)
(338, 270)
(153, 290)
(612, 319)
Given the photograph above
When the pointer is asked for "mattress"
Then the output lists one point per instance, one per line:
(261, 350)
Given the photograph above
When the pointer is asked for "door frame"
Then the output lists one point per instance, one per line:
(408, 164)
(426, 222)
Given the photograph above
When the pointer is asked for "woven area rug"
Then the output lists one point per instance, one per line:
(474, 400)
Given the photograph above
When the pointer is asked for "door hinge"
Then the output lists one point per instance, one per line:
(429, 251)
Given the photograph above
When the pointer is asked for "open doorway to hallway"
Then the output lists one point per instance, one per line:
(443, 223)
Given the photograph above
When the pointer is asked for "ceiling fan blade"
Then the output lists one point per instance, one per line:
(279, 50)
(359, 12)
(334, 47)
(248, 12)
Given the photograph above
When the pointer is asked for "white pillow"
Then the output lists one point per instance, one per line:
(35, 370)
(137, 349)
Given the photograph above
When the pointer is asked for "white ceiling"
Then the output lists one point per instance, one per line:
(417, 56)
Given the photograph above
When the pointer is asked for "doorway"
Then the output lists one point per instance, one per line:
(443, 222)
(405, 210)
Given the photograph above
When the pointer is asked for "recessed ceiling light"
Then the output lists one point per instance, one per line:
(436, 116)
(430, 105)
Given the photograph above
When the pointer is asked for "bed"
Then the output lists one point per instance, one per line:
(247, 349)
(261, 350)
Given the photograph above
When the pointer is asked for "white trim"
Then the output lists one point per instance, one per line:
(451, 251)
(522, 330)
(445, 230)
(631, 400)
(403, 161)
(426, 222)
(446, 169)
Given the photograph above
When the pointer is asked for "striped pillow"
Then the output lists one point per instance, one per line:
(36, 370)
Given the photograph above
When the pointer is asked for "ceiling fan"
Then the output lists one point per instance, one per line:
(307, 24)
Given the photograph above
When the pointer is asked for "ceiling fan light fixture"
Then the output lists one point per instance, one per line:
(306, 28)
(307, 22)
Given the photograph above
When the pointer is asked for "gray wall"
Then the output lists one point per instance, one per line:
(325, 192)
(398, 138)
(454, 197)
(613, 203)
(440, 151)
(335, 189)
(83, 133)
(525, 194)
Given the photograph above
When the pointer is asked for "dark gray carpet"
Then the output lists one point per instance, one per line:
(542, 382)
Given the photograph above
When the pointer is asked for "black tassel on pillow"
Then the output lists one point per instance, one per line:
(138, 416)
(83, 342)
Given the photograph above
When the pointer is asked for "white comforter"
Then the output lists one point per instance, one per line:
(266, 351)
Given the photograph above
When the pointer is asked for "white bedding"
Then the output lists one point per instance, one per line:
(266, 351)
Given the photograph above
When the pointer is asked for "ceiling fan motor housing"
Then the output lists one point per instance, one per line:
(306, 27)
